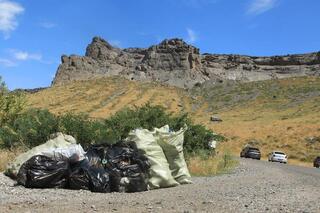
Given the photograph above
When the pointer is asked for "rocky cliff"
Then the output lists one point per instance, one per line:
(176, 63)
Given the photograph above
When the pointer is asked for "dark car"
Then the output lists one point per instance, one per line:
(316, 162)
(251, 152)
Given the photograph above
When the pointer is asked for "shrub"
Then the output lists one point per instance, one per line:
(34, 127)
(9, 138)
(121, 123)
(29, 129)
(11, 104)
(148, 117)
(85, 131)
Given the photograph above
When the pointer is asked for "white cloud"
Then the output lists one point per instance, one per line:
(192, 36)
(47, 25)
(9, 11)
(15, 57)
(6, 62)
(261, 6)
(24, 56)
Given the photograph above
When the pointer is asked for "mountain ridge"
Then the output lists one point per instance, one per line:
(176, 63)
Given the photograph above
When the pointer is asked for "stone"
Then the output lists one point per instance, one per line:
(313, 139)
(215, 119)
(176, 63)
(93, 207)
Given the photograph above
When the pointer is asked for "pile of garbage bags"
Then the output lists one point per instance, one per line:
(146, 160)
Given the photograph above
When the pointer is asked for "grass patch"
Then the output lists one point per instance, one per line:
(212, 165)
(7, 156)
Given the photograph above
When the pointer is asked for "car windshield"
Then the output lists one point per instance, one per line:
(279, 153)
(254, 149)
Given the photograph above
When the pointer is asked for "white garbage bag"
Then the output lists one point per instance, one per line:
(159, 172)
(73, 153)
(172, 146)
(212, 144)
(57, 140)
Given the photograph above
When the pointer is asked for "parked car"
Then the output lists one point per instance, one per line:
(277, 156)
(250, 152)
(316, 162)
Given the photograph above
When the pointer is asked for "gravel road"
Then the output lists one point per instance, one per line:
(255, 186)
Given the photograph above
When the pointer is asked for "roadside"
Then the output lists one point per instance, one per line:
(254, 186)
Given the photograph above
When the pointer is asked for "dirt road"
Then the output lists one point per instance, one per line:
(255, 186)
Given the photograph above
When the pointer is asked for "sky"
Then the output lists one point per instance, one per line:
(35, 33)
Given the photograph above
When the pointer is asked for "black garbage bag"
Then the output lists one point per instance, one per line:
(126, 166)
(133, 179)
(43, 172)
(84, 176)
(97, 155)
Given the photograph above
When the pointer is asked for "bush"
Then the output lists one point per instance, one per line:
(30, 129)
(11, 104)
(85, 131)
(148, 117)
(9, 138)
(34, 127)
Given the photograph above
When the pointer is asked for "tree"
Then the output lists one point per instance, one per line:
(11, 104)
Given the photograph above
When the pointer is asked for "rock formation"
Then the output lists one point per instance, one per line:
(176, 63)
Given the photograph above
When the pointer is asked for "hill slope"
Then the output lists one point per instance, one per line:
(282, 114)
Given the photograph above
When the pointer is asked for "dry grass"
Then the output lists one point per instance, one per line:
(6, 157)
(103, 97)
(271, 131)
(281, 123)
(213, 165)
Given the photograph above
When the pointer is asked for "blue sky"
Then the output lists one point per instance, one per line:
(35, 33)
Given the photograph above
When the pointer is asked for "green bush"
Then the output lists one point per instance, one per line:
(148, 117)
(11, 104)
(9, 138)
(34, 127)
(85, 131)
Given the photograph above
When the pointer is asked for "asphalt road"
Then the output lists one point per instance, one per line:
(255, 186)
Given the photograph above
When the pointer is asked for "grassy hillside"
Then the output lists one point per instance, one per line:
(279, 115)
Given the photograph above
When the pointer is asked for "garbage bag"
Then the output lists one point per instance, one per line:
(57, 140)
(159, 174)
(72, 153)
(126, 167)
(132, 167)
(97, 155)
(172, 145)
(133, 178)
(43, 172)
(84, 176)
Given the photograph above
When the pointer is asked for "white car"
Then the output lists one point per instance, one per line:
(277, 156)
